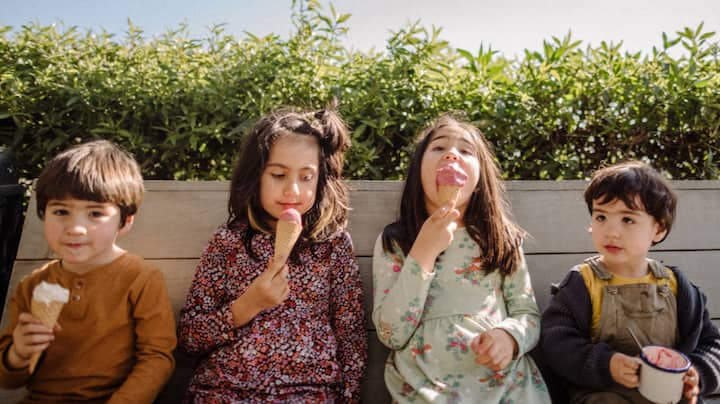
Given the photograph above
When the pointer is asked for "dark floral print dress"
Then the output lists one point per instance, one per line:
(311, 348)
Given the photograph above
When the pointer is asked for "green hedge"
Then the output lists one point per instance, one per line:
(182, 104)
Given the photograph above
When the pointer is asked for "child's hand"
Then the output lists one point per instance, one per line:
(691, 386)
(494, 349)
(268, 290)
(29, 336)
(624, 370)
(435, 236)
(271, 288)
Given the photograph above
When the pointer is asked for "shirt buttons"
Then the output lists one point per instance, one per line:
(76, 298)
(79, 284)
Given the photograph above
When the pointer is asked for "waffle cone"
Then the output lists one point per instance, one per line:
(285, 237)
(48, 314)
(446, 193)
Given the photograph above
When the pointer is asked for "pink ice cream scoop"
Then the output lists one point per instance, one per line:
(450, 179)
(290, 215)
(451, 174)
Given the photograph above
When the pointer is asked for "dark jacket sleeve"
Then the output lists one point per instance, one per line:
(699, 338)
(566, 343)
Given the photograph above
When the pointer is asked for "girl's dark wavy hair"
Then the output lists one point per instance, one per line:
(328, 215)
(487, 218)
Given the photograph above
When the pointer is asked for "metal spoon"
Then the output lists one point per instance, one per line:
(632, 334)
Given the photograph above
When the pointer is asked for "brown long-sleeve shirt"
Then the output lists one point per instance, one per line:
(116, 339)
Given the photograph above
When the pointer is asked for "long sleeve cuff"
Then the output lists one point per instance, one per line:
(11, 378)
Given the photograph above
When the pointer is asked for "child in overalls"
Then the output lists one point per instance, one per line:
(585, 329)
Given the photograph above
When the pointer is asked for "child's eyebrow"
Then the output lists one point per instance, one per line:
(622, 212)
(462, 139)
(280, 165)
(56, 203)
(95, 205)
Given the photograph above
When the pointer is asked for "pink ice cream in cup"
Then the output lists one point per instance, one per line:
(661, 373)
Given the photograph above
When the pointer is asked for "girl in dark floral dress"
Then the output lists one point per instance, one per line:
(270, 331)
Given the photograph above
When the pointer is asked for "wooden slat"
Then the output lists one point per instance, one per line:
(544, 270)
(555, 216)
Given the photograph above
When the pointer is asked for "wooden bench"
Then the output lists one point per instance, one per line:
(177, 218)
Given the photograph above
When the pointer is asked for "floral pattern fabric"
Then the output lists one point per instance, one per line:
(429, 320)
(311, 347)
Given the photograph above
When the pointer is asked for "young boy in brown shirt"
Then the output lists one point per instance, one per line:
(114, 338)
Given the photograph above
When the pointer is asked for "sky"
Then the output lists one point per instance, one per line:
(509, 26)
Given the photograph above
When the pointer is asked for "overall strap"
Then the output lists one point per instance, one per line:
(658, 269)
(598, 268)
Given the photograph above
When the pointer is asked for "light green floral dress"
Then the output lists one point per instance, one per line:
(429, 320)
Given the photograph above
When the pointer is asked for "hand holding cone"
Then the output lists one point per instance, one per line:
(289, 227)
(47, 302)
(450, 179)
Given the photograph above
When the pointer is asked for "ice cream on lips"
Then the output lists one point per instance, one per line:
(450, 179)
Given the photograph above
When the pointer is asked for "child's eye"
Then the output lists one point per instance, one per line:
(628, 220)
(466, 152)
(97, 213)
(277, 175)
(59, 212)
(600, 218)
(308, 177)
(438, 148)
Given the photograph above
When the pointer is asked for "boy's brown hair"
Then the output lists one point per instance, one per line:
(634, 181)
(97, 171)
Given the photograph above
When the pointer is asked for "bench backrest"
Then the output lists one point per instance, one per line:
(177, 218)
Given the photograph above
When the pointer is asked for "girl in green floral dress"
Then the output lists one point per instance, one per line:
(453, 299)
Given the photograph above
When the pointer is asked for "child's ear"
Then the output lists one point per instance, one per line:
(128, 225)
(660, 233)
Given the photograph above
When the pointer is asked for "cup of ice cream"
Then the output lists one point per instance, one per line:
(661, 374)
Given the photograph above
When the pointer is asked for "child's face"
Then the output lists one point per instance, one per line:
(449, 144)
(291, 174)
(623, 236)
(82, 233)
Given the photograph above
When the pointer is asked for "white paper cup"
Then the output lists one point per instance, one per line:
(661, 374)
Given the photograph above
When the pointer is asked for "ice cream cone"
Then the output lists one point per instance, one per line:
(47, 301)
(286, 235)
(447, 193)
(48, 314)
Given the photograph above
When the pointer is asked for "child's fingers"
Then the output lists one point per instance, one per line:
(27, 318)
(632, 379)
(631, 363)
(691, 386)
(474, 345)
(440, 212)
(281, 276)
(275, 265)
(481, 344)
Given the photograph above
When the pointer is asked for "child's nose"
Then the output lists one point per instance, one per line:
(291, 189)
(613, 230)
(451, 155)
(76, 228)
